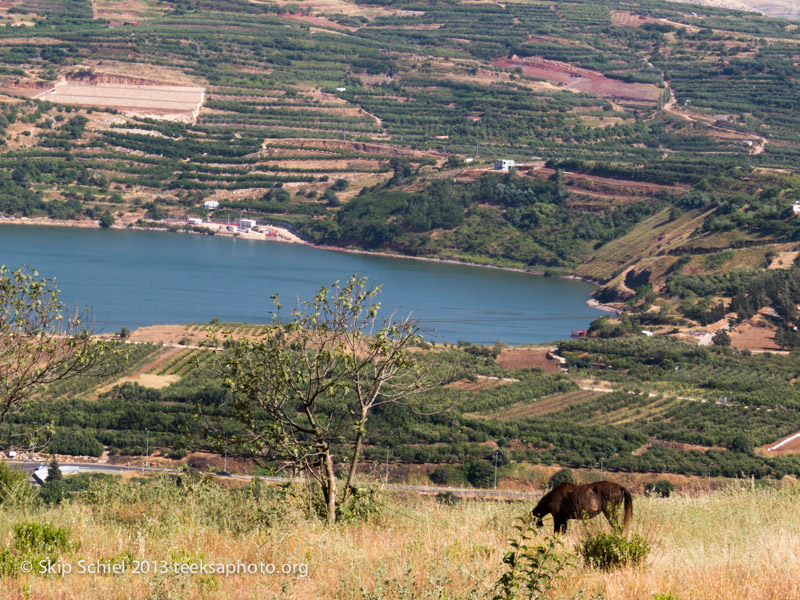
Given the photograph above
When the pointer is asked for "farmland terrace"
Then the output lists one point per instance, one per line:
(657, 123)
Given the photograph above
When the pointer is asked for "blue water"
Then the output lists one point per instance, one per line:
(139, 278)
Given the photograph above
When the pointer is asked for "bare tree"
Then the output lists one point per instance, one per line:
(309, 384)
(40, 342)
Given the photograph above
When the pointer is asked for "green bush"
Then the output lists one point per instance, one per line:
(32, 537)
(448, 498)
(660, 487)
(479, 473)
(532, 569)
(446, 475)
(610, 551)
(561, 476)
(14, 487)
(364, 504)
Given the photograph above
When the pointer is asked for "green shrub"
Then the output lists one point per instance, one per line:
(561, 476)
(609, 551)
(364, 504)
(479, 473)
(32, 537)
(667, 596)
(660, 487)
(14, 487)
(532, 569)
(448, 498)
(446, 475)
(177, 454)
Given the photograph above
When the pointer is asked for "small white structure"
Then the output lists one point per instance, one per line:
(647, 333)
(195, 221)
(41, 474)
(12, 454)
(232, 228)
(469, 159)
(796, 207)
(341, 89)
(210, 204)
(247, 223)
(503, 164)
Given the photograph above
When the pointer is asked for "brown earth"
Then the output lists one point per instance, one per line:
(784, 9)
(537, 406)
(581, 80)
(121, 11)
(673, 446)
(629, 19)
(527, 358)
(481, 383)
(754, 334)
(792, 447)
(784, 260)
(168, 334)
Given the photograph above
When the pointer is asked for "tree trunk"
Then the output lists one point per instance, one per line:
(329, 487)
(351, 476)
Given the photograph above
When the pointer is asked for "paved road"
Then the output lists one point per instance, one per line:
(515, 495)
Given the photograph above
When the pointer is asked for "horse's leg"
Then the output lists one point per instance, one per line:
(559, 525)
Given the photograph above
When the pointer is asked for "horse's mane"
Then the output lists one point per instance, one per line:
(553, 498)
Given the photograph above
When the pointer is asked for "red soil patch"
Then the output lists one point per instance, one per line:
(754, 334)
(604, 185)
(527, 358)
(580, 80)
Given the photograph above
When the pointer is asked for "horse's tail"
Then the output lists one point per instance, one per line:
(628, 509)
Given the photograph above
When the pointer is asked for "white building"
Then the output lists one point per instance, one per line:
(195, 221)
(247, 223)
(796, 207)
(503, 164)
(210, 204)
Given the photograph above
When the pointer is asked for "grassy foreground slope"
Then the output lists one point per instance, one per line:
(734, 544)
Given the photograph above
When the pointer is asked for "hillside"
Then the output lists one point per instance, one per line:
(637, 407)
(353, 121)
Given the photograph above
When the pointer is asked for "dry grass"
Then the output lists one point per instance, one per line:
(739, 544)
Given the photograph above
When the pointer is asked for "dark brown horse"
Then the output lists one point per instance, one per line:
(570, 501)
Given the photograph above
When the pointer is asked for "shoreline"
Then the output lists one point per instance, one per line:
(590, 301)
(218, 229)
(283, 235)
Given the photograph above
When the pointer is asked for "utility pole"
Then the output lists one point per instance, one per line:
(225, 468)
(709, 479)
(496, 453)
(601, 469)
(387, 465)
(147, 452)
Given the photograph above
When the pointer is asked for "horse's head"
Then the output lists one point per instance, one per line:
(537, 518)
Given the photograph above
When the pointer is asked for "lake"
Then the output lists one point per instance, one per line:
(139, 278)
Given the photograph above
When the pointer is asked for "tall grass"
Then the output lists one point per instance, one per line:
(736, 544)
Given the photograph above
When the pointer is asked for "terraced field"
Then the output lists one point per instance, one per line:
(147, 101)
(541, 406)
